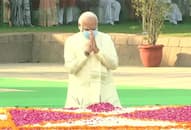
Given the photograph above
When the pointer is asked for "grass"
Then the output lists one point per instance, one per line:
(43, 93)
(53, 94)
(121, 28)
(132, 27)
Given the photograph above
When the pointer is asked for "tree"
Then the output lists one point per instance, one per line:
(153, 14)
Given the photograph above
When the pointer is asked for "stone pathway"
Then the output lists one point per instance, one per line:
(154, 77)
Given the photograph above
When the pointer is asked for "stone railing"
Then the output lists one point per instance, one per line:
(49, 47)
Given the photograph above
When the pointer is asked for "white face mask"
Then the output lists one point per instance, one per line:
(87, 33)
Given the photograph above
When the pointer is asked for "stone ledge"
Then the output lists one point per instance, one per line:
(49, 47)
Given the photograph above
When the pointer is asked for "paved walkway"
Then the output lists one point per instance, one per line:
(163, 77)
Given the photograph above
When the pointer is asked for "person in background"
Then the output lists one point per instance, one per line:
(87, 5)
(20, 12)
(61, 9)
(35, 11)
(68, 6)
(72, 12)
(111, 11)
(90, 56)
(26, 13)
(48, 13)
(190, 7)
(174, 14)
(6, 12)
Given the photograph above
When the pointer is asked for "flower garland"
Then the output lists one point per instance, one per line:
(175, 114)
(25, 118)
(101, 107)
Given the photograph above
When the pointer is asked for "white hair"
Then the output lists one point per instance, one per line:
(87, 15)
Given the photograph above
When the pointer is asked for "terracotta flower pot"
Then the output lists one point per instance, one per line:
(151, 55)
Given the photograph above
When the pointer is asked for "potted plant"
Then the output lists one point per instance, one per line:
(152, 13)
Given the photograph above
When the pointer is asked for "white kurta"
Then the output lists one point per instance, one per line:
(174, 15)
(71, 14)
(111, 10)
(90, 78)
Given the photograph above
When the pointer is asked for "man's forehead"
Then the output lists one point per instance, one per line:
(89, 22)
(90, 26)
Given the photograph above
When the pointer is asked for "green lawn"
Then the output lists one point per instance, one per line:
(182, 29)
(42, 93)
(53, 93)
